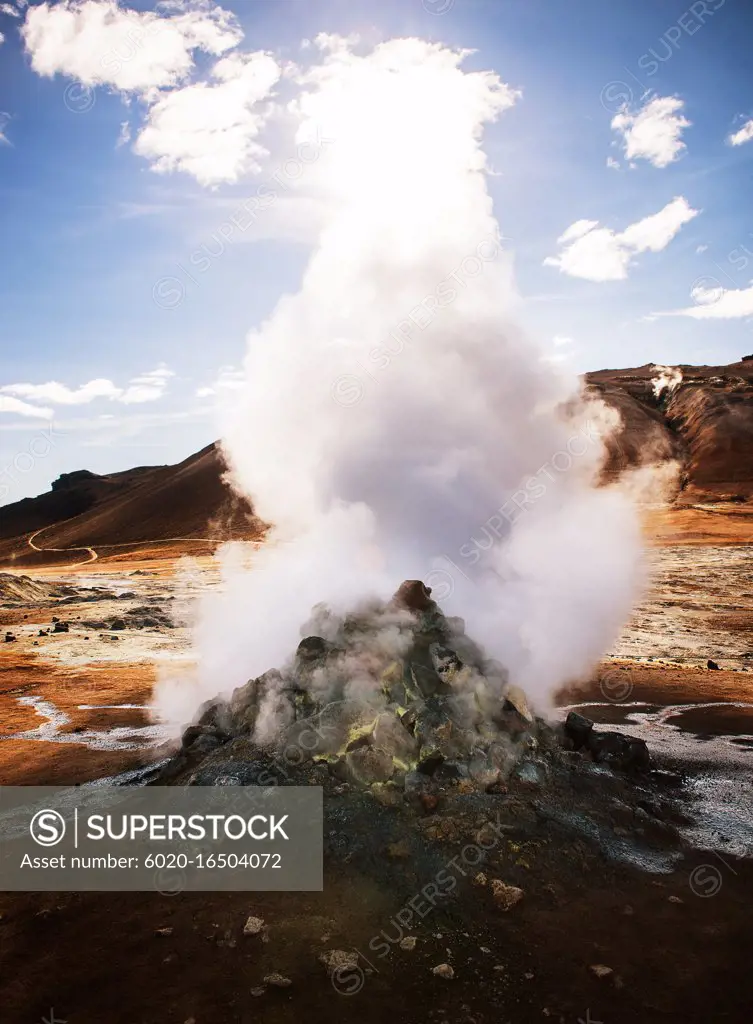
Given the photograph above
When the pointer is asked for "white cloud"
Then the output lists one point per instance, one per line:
(124, 136)
(700, 248)
(601, 254)
(60, 394)
(745, 134)
(614, 164)
(4, 119)
(145, 388)
(561, 339)
(15, 405)
(10, 10)
(717, 304)
(228, 379)
(98, 42)
(653, 132)
(2, 38)
(210, 130)
(577, 230)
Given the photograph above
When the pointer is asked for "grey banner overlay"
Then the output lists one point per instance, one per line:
(165, 838)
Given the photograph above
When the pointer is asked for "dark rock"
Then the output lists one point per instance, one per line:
(312, 649)
(626, 753)
(712, 665)
(437, 731)
(10, 638)
(429, 762)
(578, 728)
(413, 595)
(61, 627)
(117, 624)
(203, 738)
(446, 661)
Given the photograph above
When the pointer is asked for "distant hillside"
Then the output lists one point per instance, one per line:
(706, 422)
(151, 503)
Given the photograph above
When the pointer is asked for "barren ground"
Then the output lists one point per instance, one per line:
(73, 707)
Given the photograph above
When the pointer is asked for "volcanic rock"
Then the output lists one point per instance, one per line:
(505, 896)
(414, 595)
(712, 665)
(627, 753)
(578, 728)
(390, 734)
(367, 765)
(277, 980)
(336, 960)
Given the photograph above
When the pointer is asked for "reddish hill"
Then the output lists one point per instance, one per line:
(151, 503)
(706, 422)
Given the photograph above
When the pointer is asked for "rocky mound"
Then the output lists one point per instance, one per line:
(394, 697)
(24, 590)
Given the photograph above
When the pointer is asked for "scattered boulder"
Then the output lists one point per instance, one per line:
(505, 896)
(10, 638)
(600, 970)
(443, 971)
(626, 753)
(60, 627)
(408, 943)
(253, 926)
(712, 665)
(336, 960)
(578, 728)
(277, 980)
(117, 624)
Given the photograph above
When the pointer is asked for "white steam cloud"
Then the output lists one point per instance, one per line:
(667, 378)
(395, 422)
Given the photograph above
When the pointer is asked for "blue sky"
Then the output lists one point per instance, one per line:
(105, 278)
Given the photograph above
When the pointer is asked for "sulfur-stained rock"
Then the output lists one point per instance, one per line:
(390, 734)
(368, 765)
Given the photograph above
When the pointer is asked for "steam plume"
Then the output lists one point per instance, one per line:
(395, 422)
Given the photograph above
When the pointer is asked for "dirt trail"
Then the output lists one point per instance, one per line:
(93, 555)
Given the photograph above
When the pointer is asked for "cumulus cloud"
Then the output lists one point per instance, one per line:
(601, 254)
(653, 132)
(97, 42)
(10, 10)
(15, 405)
(147, 387)
(4, 119)
(210, 130)
(745, 134)
(717, 303)
(228, 379)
